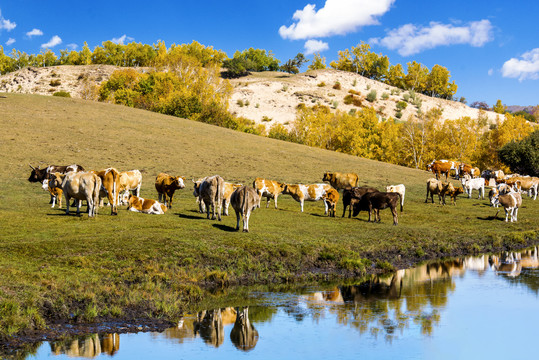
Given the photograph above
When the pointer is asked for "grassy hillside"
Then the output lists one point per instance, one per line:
(63, 268)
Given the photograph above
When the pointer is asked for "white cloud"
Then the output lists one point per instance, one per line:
(6, 24)
(34, 32)
(524, 68)
(337, 17)
(72, 46)
(121, 40)
(55, 40)
(313, 46)
(10, 41)
(410, 39)
(490, 72)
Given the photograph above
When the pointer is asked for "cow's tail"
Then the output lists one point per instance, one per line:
(220, 194)
(114, 188)
(244, 204)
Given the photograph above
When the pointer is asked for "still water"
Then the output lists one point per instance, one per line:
(483, 307)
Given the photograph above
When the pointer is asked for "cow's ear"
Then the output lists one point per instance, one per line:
(193, 180)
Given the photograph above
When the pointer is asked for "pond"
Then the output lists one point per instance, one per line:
(475, 307)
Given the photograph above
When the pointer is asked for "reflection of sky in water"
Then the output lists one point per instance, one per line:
(475, 314)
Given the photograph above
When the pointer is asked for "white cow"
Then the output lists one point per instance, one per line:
(470, 184)
(80, 186)
(312, 192)
(399, 189)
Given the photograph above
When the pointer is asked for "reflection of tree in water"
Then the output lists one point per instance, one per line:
(88, 346)
(519, 268)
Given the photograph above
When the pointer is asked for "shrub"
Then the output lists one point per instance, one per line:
(62, 94)
(240, 103)
(55, 82)
(385, 96)
(278, 131)
(398, 114)
(337, 86)
(322, 84)
(401, 105)
(266, 119)
(354, 92)
(371, 97)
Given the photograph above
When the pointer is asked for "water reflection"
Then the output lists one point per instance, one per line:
(88, 347)
(405, 304)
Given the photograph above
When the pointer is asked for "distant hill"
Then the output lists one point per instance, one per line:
(515, 108)
(265, 97)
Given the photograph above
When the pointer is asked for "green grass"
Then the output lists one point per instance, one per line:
(66, 268)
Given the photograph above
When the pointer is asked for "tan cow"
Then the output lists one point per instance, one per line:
(129, 181)
(302, 193)
(464, 169)
(435, 186)
(269, 189)
(341, 180)
(56, 193)
(440, 167)
(331, 198)
(166, 185)
(210, 190)
(529, 184)
(229, 189)
(80, 186)
(145, 206)
(399, 189)
(244, 200)
(110, 181)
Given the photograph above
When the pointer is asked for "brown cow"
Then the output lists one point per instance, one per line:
(129, 181)
(331, 198)
(40, 175)
(229, 189)
(440, 167)
(529, 184)
(464, 169)
(110, 181)
(56, 192)
(244, 200)
(511, 202)
(435, 186)
(381, 200)
(453, 192)
(341, 180)
(350, 196)
(166, 185)
(310, 192)
(269, 189)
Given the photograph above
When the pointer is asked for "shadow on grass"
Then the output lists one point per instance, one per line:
(191, 217)
(224, 227)
(490, 218)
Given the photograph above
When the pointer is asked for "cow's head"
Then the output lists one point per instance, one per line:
(45, 185)
(285, 189)
(37, 174)
(196, 187)
(178, 181)
(56, 179)
(327, 176)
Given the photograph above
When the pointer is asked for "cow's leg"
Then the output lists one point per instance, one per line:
(246, 220)
(237, 220)
(79, 202)
(52, 197)
(59, 201)
(506, 214)
(395, 216)
(267, 201)
(170, 196)
(219, 210)
(54, 201)
(516, 213)
(226, 203)
(67, 202)
(301, 203)
(326, 208)
(427, 197)
(137, 191)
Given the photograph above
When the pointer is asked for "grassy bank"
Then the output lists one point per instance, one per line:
(57, 268)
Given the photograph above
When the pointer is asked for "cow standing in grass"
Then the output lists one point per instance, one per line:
(331, 198)
(270, 189)
(399, 189)
(210, 190)
(351, 196)
(341, 180)
(302, 193)
(80, 186)
(244, 200)
(435, 186)
(40, 175)
(166, 185)
(511, 202)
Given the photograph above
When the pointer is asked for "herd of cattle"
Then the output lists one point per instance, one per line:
(214, 195)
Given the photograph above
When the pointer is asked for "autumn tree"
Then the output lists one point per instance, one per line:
(292, 66)
(396, 76)
(416, 77)
(344, 62)
(499, 107)
(418, 137)
(318, 62)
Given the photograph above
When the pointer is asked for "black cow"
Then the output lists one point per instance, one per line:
(376, 201)
(350, 196)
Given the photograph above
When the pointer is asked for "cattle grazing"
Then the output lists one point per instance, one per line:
(244, 200)
(166, 185)
(80, 186)
(399, 189)
(302, 193)
(470, 184)
(529, 184)
(491, 196)
(439, 188)
(129, 181)
(145, 206)
(453, 192)
(441, 167)
(331, 198)
(269, 189)
(352, 195)
(110, 181)
(381, 200)
(341, 180)
(39, 175)
(470, 170)
(229, 189)
(511, 202)
(211, 191)
(56, 193)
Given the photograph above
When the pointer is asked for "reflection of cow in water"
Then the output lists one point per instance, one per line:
(244, 335)
(88, 347)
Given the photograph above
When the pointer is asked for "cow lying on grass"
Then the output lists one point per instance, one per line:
(145, 206)
(244, 200)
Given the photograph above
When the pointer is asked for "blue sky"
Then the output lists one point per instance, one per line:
(490, 47)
